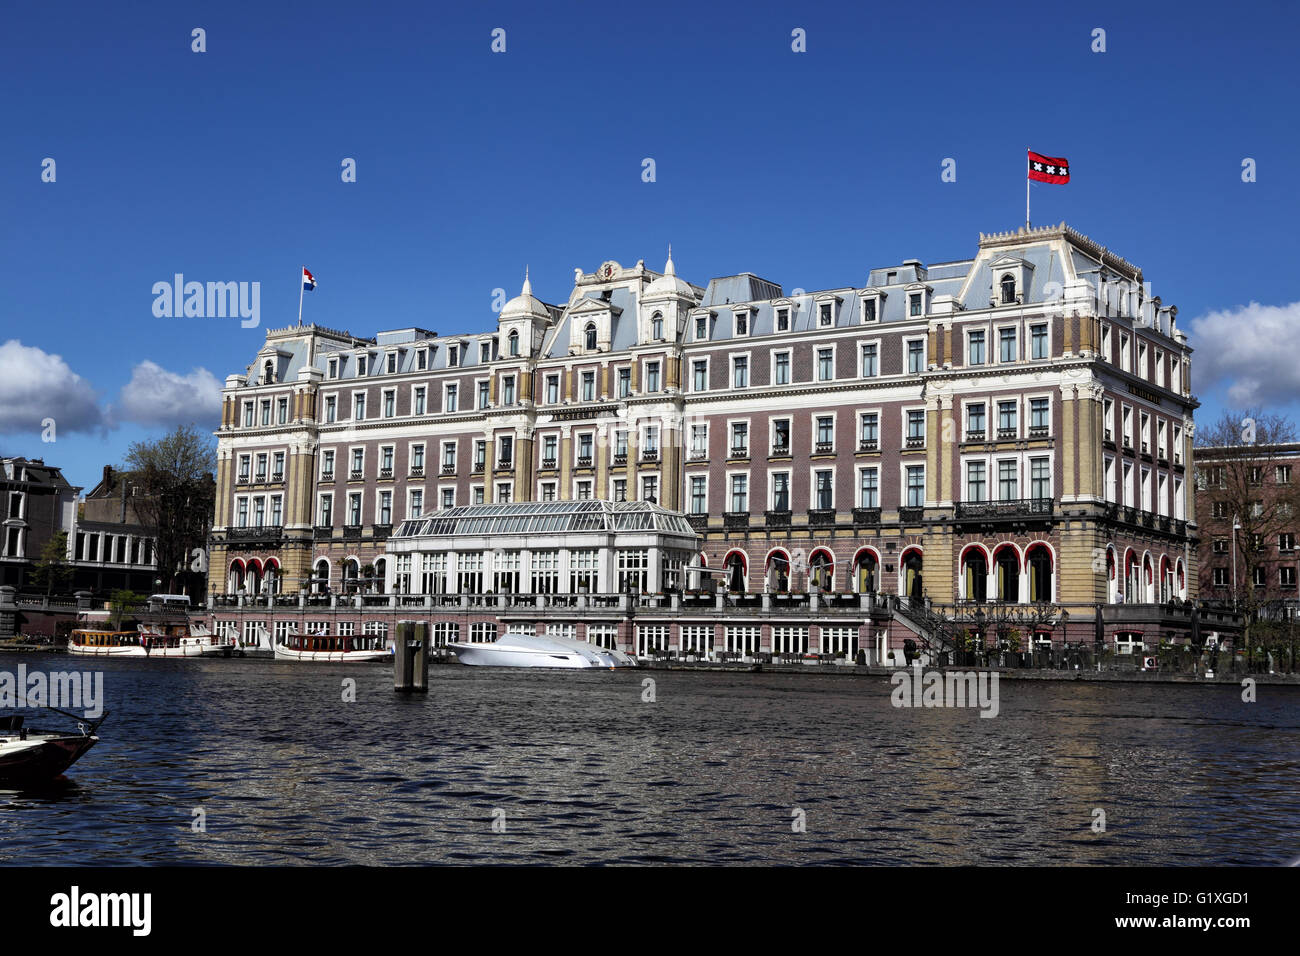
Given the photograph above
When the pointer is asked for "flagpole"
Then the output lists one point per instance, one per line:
(1026, 189)
(304, 270)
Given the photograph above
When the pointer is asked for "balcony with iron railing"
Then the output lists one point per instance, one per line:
(584, 461)
(868, 444)
(417, 471)
(777, 519)
(909, 516)
(449, 469)
(385, 474)
(620, 458)
(739, 453)
(735, 520)
(1002, 510)
(327, 476)
(323, 531)
(780, 451)
(356, 475)
(351, 532)
(697, 454)
(505, 464)
(915, 441)
(866, 517)
(1006, 434)
(478, 467)
(824, 448)
(975, 435)
(821, 517)
(698, 520)
(548, 464)
(649, 454)
(261, 534)
(381, 530)
(1038, 431)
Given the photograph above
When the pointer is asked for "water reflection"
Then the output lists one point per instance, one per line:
(578, 769)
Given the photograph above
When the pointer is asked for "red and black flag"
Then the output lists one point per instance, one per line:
(1048, 169)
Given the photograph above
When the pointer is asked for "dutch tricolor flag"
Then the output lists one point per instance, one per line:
(308, 280)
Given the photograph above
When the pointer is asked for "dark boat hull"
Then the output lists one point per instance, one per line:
(44, 761)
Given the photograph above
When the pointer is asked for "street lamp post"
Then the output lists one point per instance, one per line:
(1236, 527)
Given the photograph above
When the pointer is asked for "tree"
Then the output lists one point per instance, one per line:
(175, 497)
(121, 603)
(1237, 463)
(52, 572)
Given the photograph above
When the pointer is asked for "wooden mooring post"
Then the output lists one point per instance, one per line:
(411, 657)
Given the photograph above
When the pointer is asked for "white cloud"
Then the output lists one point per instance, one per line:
(1248, 350)
(35, 385)
(155, 396)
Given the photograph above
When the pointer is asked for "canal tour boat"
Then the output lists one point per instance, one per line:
(344, 649)
(32, 756)
(536, 650)
(183, 640)
(94, 643)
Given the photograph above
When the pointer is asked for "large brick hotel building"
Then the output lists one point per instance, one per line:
(1007, 431)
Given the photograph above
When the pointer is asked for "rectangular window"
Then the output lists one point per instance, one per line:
(975, 348)
(1040, 480)
(508, 390)
(739, 439)
(331, 408)
(417, 503)
(975, 422)
(1038, 341)
(868, 310)
(552, 389)
(783, 320)
(624, 382)
(868, 431)
(914, 304)
(742, 323)
(1007, 344)
(589, 386)
(780, 491)
(1006, 419)
(869, 488)
(1038, 420)
(915, 486)
(740, 372)
(916, 356)
(620, 489)
(824, 316)
(417, 401)
(484, 395)
(825, 489)
(700, 370)
(825, 435)
(354, 509)
(385, 507)
(976, 482)
(282, 411)
(825, 365)
(740, 493)
(699, 499)
(781, 370)
(701, 328)
(652, 376)
(780, 437)
(1008, 483)
(452, 394)
(870, 364)
(359, 408)
(390, 403)
(326, 511)
(915, 428)
(699, 441)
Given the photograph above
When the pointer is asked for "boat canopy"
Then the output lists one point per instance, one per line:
(546, 517)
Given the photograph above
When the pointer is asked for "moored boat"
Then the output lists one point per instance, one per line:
(536, 650)
(333, 648)
(32, 756)
(96, 643)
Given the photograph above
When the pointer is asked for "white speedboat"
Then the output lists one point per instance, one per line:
(529, 650)
(31, 756)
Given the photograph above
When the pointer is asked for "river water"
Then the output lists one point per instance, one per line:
(259, 762)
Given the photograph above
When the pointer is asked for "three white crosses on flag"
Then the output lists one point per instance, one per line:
(1044, 169)
(308, 283)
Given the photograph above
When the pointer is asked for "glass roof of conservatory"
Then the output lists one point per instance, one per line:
(547, 517)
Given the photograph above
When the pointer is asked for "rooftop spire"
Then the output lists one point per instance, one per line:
(528, 286)
(669, 270)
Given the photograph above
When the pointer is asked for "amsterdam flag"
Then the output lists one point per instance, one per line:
(1048, 169)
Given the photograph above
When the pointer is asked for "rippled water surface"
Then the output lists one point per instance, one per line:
(581, 770)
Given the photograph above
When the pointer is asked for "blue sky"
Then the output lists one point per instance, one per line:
(806, 168)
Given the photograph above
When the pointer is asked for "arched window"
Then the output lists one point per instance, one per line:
(272, 576)
(657, 325)
(821, 570)
(513, 340)
(235, 580)
(1008, 289)
(381, 575)
(590, 336)
(778, 571)
(1007, 563)
(1040, 573)
(975, 575)
(913, 585)
(320, 582)
(735, 565)
(864, 573)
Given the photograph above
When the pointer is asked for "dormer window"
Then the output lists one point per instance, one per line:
(453, 356)
(589, 337)
(914, 304)
(742, 323)
(268, 372)
(512, 341)
(1008, 284)
(657, 326)
(421, 359)
(361, 365)
(333, 368)
(701, 328)
(825, 316)
(485, 352)
(392, 362)
(783, 320)
(868, 310)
